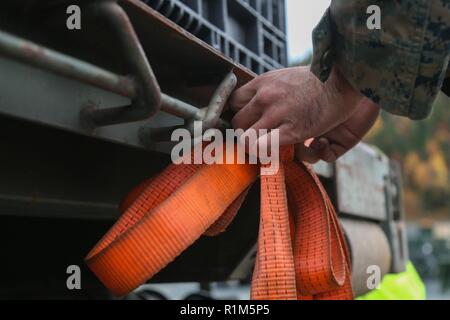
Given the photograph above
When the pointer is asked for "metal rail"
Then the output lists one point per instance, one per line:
(147, 100)
(63, 65)
(141, 87)
(210, 116)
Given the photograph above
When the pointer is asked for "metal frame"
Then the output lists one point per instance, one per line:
(142, 87)
(225, 25)
(146, 100)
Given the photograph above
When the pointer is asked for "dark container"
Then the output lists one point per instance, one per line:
(251, 32)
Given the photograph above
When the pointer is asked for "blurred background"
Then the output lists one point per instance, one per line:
(422, 148)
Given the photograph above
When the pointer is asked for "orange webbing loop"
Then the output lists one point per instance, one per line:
(301, 249)
(320, 252)
(274, 274)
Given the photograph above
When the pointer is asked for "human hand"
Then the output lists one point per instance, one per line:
(294, 101)
(335, 143)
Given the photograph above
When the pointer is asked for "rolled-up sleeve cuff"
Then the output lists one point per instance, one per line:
(388, 65)
(322, 61)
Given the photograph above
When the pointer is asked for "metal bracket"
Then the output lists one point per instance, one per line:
(209, 116)
(147, 100)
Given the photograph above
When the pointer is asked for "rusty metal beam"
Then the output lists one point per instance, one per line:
(92, 115)
(63, 65)
(49, 60)
(210, 116)
(142, 87)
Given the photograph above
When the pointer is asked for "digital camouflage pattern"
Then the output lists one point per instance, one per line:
(402, 66)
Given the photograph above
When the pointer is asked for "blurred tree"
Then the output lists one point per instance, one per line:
(423, 148)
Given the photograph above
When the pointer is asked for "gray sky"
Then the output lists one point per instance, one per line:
(302, 17)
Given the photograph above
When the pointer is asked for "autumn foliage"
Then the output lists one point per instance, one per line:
(423, 148)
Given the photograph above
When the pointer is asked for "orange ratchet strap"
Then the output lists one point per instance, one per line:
(301, 254)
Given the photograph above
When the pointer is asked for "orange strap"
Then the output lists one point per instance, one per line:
(301, 250)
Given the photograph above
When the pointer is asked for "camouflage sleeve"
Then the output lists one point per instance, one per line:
(400, 66)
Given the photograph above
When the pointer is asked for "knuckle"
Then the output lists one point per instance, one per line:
(266, 97)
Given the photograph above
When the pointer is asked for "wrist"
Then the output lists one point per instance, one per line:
(340, 89)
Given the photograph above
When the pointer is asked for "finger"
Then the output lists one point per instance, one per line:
(262, 127)
(332, 153)
(306, 154)
(268, 146)
(247, 116)
(322, 148)
(286, 137)
(325, 151)
(241, 97)
(320, 144)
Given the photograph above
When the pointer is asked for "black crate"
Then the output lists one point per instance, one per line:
(251, 32)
